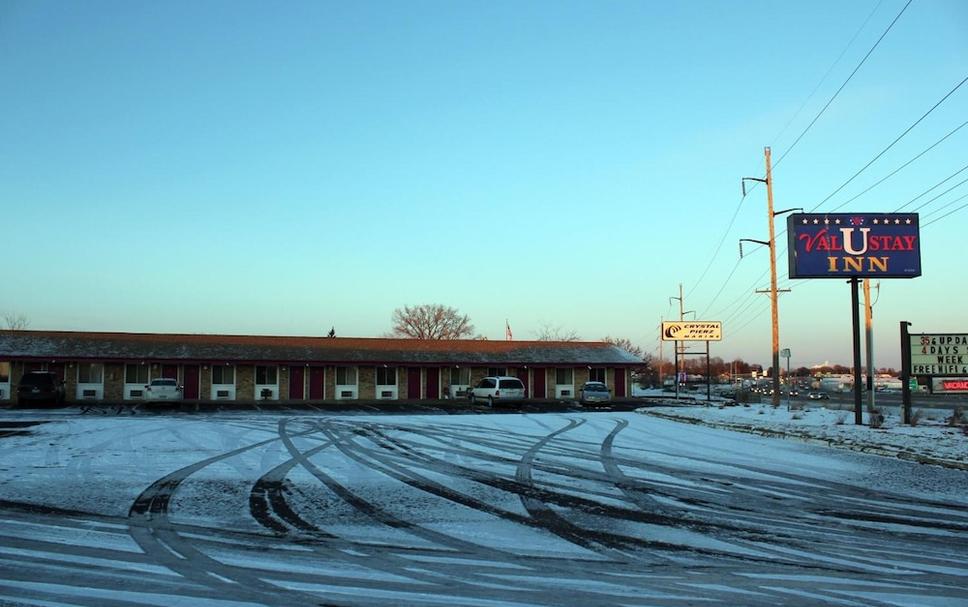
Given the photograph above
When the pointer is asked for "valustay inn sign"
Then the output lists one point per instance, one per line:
(854, 245)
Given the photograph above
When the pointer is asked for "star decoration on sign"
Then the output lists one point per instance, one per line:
(907, 221)
(816, 221)
(826, 222)
(837, 221)
(875, 222)
(897, 221)
(805, 221)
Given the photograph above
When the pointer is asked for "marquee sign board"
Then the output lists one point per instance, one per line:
(854, 245)
(692, 330)
(939, 355)
(951, 385)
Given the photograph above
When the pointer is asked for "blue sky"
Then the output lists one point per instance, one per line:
(238, 167)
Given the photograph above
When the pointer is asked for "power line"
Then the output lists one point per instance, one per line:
(937, 197)
(897, 210)
(943, 207)
(824, 78)
(703, 314)
(831, 100)
(898, 138)
(718, 247)
(898, 169)
(952, 212)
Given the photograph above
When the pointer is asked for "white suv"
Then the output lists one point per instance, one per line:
(499, 389)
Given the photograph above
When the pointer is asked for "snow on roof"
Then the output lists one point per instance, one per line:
(207, 347)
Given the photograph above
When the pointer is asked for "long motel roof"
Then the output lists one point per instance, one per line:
(56, 346)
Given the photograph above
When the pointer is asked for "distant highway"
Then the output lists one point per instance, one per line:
(845, 400)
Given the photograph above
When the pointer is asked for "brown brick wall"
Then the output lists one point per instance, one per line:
(113, 382)
(477, 374)
(205, 383)
(402, 373)
(367, 383)
(245, 383)
(16, 372)
(329, 383)
(282, 374)
(70, 381)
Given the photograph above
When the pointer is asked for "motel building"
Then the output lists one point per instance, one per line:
(116, 367)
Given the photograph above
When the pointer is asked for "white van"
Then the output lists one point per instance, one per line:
(498, 389)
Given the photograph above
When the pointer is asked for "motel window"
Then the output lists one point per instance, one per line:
(564, 377)
(136, 374)
(345, 376)
(90, 373)
(224, 375)
(4, 372)
(266, 375)
(460, 377)
(386, 376)
(597, 375)
(496, 371)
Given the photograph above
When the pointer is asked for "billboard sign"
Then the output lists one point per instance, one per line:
(939, 355)
(854, 245)
(692, 330)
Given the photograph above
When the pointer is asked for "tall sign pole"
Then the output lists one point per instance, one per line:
(854, 246)
(906, 371)
(696, 330)
(855, 323)
(869, 343)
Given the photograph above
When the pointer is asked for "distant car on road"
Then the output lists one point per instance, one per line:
(163, 389)
(794, 392)
(498, 389)
(594, 392)
(818, 396)
(40, 386)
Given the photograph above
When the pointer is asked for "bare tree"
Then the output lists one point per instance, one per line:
(16, 322)
(645, 374)
(556, 333)
(431, 321)
(625, 344)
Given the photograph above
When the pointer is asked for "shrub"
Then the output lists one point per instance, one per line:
(875, 418)
(957, 417)
(797, 415)
(841, 419)
(915, 417)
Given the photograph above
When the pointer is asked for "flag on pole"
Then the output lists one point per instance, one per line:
(507, 330)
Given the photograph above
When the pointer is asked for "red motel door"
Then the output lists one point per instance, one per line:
(191, 382)
(296, 380)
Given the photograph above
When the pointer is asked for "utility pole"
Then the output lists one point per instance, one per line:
(680, 346)
(774, 309)
(868, 322)
(661, 385)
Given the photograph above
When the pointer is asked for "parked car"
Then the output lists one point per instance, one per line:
(594, 392)
(40, 386)
(163, 389)
(498, 389)
(794, 392)
(818, 396)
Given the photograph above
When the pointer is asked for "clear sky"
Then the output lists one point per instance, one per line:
(236, 167)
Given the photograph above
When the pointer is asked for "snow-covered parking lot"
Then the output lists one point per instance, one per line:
(583, 508)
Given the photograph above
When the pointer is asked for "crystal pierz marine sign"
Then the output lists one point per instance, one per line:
(854, 245)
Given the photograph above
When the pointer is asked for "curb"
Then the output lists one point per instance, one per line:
(807, 438)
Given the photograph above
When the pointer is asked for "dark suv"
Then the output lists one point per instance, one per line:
(40, 386)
